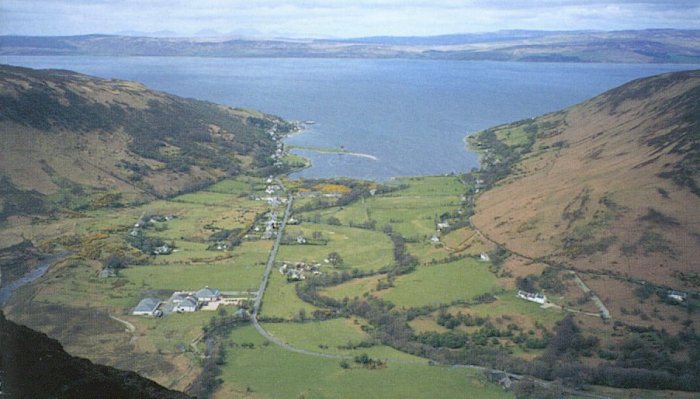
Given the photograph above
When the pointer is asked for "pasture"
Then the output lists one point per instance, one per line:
(267, 371)
(441, 284)
(360, 249)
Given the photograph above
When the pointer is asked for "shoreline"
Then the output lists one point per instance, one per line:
(333, 151)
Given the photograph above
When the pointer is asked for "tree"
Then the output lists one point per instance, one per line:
(115, 262)
(335, 259)
(334, 221)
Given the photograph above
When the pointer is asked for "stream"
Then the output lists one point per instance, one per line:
(42, 268)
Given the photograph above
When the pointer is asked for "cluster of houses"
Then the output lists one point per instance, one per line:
(532, 297)
(279, 151)
(185, 302)
(297, 272)
(144, 222)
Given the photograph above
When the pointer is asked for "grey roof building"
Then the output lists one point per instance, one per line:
(147, 307)
(207, 294)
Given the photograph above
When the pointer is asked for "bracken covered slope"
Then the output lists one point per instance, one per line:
(71, 141)
(609, 185)
(33, 365)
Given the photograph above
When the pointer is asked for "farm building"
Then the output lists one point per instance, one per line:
(147, 307)
(499, 377)
(529, 296)
(207, 294)
(677, 296)
(185, 304)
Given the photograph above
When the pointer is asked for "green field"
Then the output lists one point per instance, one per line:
(281, 299)
(268, 371)
(443, 283)
(411, 212)
(225, 276)
(327, 336)
(354, 288)
(360, 249)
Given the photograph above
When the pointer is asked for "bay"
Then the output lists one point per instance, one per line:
(411, 115)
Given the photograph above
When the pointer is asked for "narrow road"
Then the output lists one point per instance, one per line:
(604, 312)
(130, 327)
(271, 258)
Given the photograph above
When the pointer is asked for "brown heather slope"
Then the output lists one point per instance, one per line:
(71, 141)
(608, 185)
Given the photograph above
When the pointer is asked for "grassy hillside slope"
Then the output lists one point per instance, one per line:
(609, 185)
(70, 141)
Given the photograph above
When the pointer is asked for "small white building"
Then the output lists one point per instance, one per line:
(484, 257)
(529, 296)
(677, 296)
(434, 239)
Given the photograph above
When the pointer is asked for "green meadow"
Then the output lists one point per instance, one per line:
(359, 248)
(281, 300)
(225, 276)
(269, 371)
(411, 211)
(442, 283)
(333, 336)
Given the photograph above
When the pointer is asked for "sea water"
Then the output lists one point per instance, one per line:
(411, 115)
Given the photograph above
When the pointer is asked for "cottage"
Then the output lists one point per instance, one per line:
(443, 225)
(529, 296)
(295, 275)
(147, 307)
(677, 296)
(500, 377)
(484, 257)
(186, 305)
(164, 249)
(301, 240)
(207, 294)
(434, 239)
(107, 272)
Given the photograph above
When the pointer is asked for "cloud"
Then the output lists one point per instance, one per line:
(340, 19)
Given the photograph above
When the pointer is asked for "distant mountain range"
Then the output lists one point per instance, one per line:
(641, 46)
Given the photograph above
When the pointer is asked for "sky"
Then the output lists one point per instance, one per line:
(337, 18)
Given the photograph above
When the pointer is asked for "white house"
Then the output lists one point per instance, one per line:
(529, 296)
(434, 239)
(147, 307)
(184, 303)
(207, 294)
(484, 257)
(677, 296)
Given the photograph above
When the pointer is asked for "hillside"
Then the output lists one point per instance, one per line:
(640, 46)
(75, 142)
(607, 186)
(27, 355)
